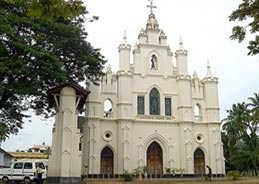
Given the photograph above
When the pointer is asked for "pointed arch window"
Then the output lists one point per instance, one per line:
(154, 102)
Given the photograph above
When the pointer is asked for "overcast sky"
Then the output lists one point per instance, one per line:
(205, 29)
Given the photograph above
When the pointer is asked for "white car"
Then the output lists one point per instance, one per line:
(22, 171)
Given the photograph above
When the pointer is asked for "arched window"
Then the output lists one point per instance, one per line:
(197, 112)
(154, 102)
(153, 62)
(107, 108)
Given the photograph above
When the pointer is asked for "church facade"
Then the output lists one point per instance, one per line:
(158, 116)
(150, 114)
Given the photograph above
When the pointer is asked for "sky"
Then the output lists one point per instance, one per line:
(205, 30)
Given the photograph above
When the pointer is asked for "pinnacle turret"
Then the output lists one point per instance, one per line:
(209, 74)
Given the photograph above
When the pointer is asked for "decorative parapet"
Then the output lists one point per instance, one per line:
(181, 52)
(155, 117)
(208, 79)
(124, 46)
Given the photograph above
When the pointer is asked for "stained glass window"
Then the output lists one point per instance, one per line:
(141, 105)
(154, 102)
(168, 111)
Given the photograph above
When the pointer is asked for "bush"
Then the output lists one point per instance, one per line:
(127, 176)
(233, 175)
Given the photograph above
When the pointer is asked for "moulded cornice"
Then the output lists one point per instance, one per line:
(92, 119)
(153, 46)
(213, 123)
(182, 106)
(185, 122)
(183, 77)
(124, 46)
(124, 120)
(213, 108)
(210, 80)
(93, 101)
(124, 73)
(181, 52)
(155, 75)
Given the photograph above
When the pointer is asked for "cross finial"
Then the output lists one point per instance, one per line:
(151, 6)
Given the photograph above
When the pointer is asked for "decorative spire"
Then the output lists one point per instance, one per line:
(125, 37)
(109, 69)
(181, 43)
(151, 6)
(209, 74)
(181, 50)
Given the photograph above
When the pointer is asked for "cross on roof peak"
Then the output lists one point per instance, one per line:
(151, 6)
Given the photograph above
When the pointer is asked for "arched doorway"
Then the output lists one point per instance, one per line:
(154, 159)
(199, 162)
(107, 161)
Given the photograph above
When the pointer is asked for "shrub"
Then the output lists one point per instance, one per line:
(127, 176)
(233, 175)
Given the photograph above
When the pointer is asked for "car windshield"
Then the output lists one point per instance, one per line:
(40, 164)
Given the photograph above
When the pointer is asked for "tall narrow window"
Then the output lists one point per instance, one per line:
(141, 105)
(168, 111)
(154, 102)
(197, 112)
(153, 62)
(107, 108)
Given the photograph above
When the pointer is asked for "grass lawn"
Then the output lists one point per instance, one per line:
(252, 180)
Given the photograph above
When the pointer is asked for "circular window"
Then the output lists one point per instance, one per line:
(107, 135)
(200, 138)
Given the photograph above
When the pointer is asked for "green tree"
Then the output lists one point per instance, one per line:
(248, 150)
(240, 136)
(248, 14)
(68, 9)
(234, 126)
(254, 104)
(36, 55)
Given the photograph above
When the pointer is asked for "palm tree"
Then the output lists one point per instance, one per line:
(254, 104)
(235, 125)
(248, 149)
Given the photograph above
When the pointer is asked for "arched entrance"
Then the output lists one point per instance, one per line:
(154, 159)
(199, 162)
(107, 161)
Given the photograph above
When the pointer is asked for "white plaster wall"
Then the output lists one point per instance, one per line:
(133, 133)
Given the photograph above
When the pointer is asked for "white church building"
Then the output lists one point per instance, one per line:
(158, 116)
